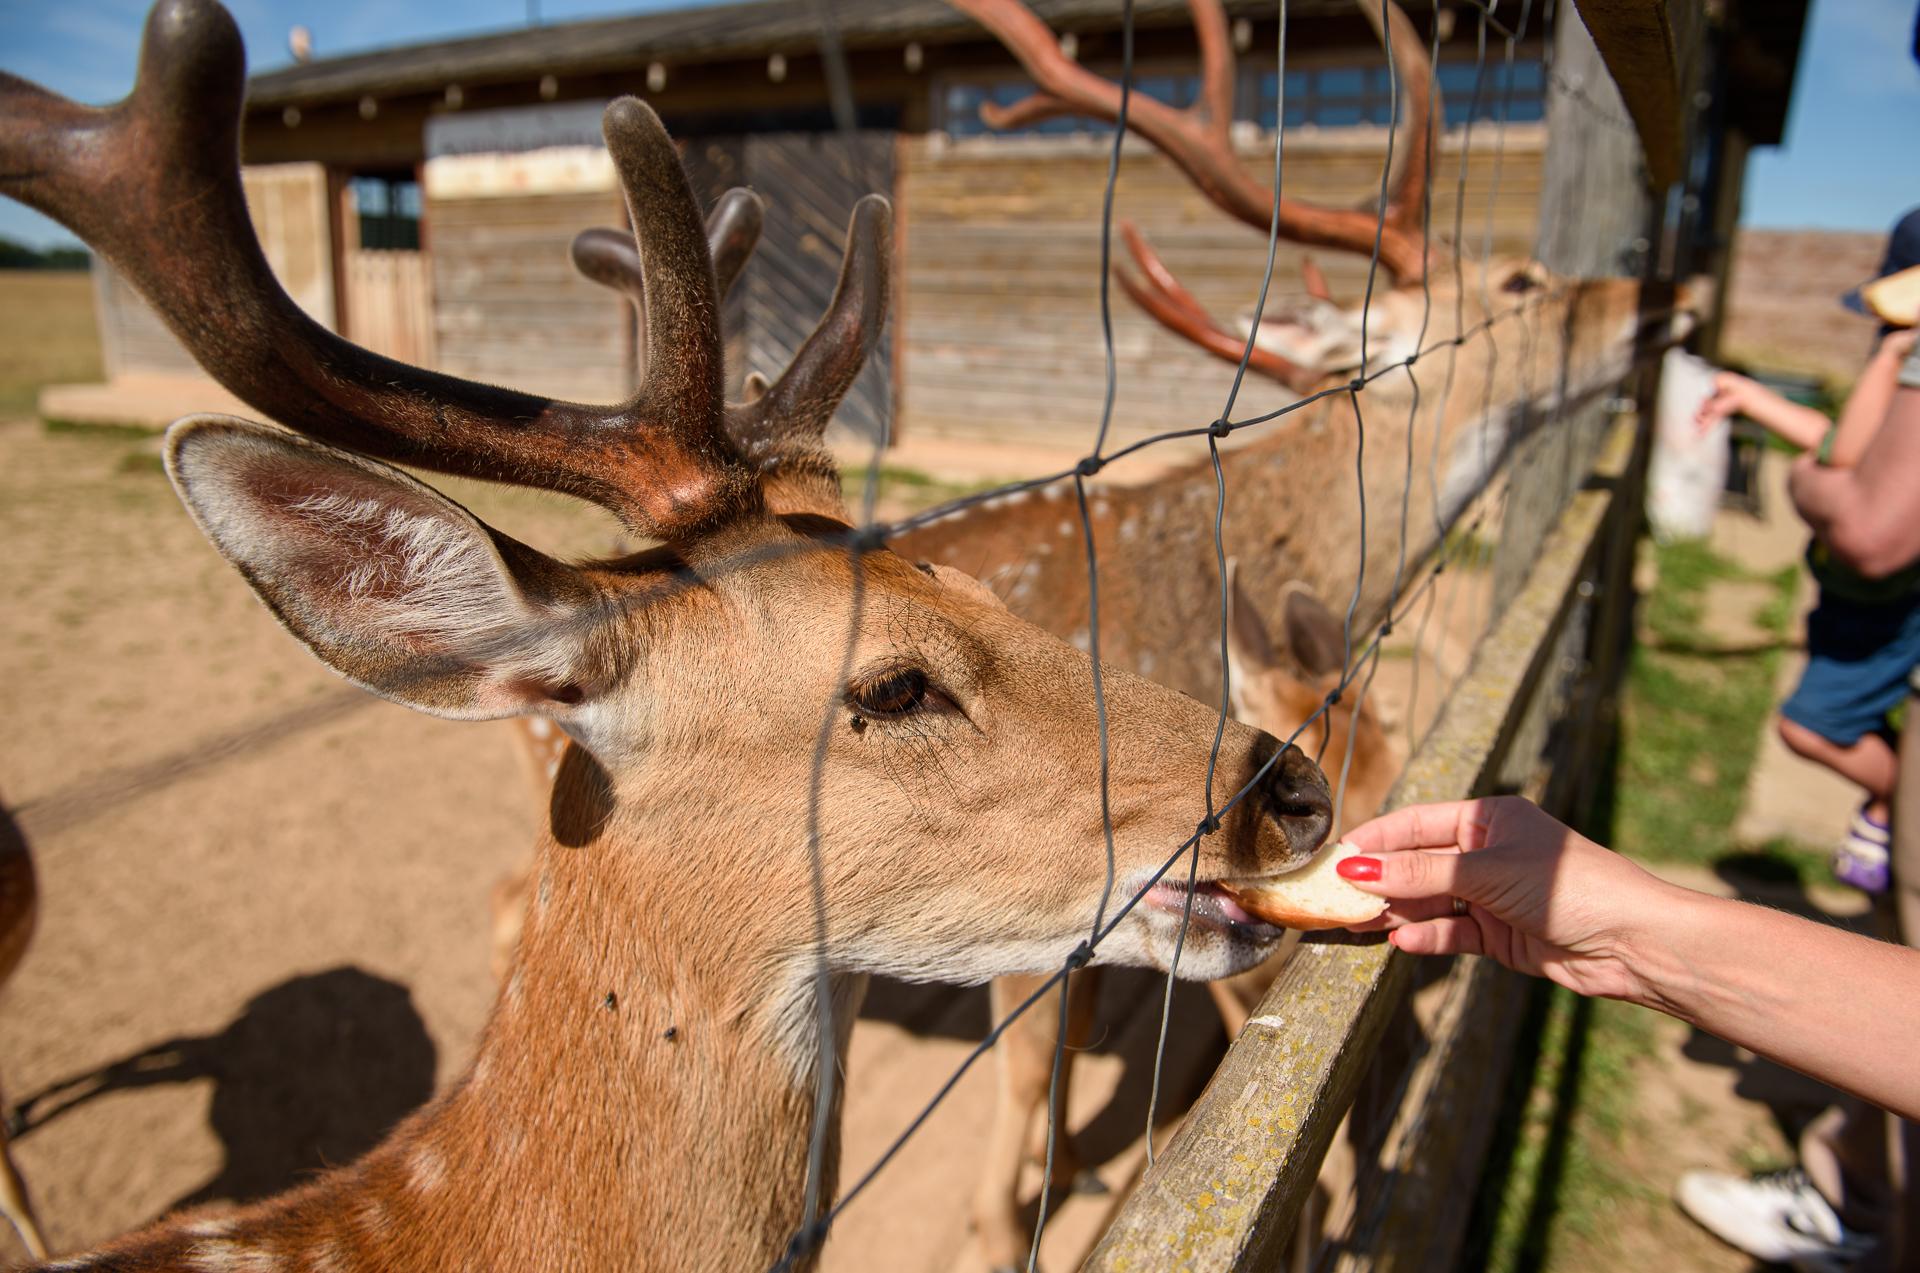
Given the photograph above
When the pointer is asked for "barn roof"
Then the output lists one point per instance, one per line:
(709, 34)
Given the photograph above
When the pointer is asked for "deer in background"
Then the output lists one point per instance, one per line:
(19, 912)
(1291, 525)
(644, 1090)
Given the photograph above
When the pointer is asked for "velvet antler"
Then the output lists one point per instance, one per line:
(780, 427)
(153, 184)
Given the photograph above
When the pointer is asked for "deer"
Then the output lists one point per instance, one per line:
(1518, 341)
(644, 1091)
(19, 914)
(1279, 685)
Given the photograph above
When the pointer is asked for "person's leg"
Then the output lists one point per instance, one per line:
(1906, 829)
(1844, 1153)
(1901, 1233)
(1858, 657)
(1869, 762)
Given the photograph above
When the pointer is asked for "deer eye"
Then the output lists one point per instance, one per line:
(894, 693)
(1518, 282)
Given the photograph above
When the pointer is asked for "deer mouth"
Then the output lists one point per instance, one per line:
(1210, 906)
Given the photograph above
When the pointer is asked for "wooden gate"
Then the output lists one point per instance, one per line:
(389, 305)
(810, 182)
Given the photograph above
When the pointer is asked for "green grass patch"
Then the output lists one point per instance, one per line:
(1692, 715)
(102, 431)
(910, 487)
(1566, 1187)
(47, 336)
(141, 462)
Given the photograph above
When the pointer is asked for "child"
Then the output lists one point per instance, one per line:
(1863, 636)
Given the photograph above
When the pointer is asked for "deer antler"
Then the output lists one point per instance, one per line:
(1197, 141)
(153, 183)
(611, 257)
(781, 425)
(1171, 305)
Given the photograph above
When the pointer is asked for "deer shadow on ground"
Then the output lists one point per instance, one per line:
(312, 1074)
(1126, 1024)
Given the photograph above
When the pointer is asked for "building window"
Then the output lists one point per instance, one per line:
(1523, 89)
(388, 212)
(1343, 96)
(1334, 96)
(960, 103)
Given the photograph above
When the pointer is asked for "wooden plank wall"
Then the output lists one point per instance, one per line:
(510, 309)
(288, 204)
(1000, 308)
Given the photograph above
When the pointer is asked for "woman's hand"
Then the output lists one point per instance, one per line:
(1540, 898)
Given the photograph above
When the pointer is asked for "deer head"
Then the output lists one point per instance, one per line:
(956, 816)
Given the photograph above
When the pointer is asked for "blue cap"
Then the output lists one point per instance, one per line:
(1903, 253)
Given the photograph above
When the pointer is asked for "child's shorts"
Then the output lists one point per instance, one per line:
(1859, 655)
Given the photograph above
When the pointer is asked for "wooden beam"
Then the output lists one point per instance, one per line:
(1640, 42)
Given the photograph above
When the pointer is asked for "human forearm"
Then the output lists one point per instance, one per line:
(1866, 406)
(1797, 425)
(1820, 1000)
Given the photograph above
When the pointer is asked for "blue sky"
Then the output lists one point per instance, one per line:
(1851, 158)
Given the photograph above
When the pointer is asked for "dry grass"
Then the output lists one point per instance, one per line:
(47, 335)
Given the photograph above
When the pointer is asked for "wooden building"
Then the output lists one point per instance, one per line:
(420, 200)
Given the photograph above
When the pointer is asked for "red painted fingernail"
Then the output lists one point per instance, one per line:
(1358, 868)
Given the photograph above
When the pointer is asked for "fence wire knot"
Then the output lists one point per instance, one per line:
(804, 1243)
(1219, 428)
(1082, 956)
(870, 538)
(1089, 465)
(1208, 825)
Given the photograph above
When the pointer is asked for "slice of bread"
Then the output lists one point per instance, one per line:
(1895, 298)
(1312, 897)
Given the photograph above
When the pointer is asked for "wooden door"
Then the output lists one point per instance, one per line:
(810, 182)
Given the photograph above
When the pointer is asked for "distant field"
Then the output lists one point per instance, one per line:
(47, 335)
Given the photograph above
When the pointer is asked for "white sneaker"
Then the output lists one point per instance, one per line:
(1778, 1217)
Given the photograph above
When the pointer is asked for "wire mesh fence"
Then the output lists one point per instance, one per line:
(1453, 566)
(1430, 471)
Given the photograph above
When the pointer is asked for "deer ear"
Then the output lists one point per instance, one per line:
(1249, 644)
(391, 584)
(1316, 635)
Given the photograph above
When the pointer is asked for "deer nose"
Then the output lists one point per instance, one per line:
(1295, 795)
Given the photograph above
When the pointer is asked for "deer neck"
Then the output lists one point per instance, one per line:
(642, 1097)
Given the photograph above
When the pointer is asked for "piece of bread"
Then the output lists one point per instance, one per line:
(1311, 897)
(1895, 298)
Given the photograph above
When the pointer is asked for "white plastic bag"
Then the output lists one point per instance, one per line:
(1689, 463)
